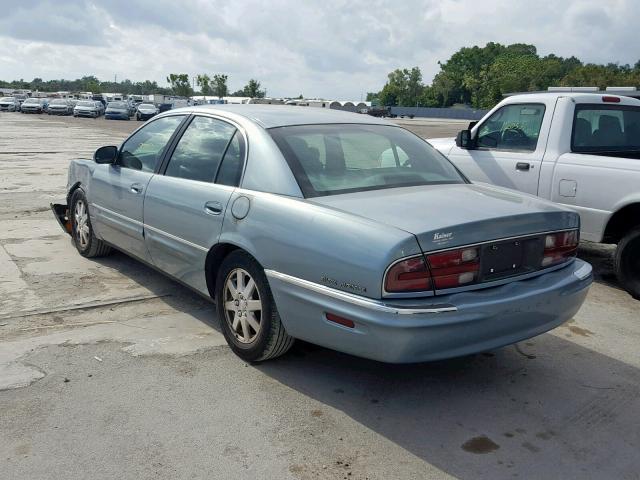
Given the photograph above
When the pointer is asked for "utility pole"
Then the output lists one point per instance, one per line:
(115, 78)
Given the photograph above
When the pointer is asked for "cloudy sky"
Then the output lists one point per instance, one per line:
(329, 48)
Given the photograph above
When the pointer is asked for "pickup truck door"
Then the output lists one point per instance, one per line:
(510, 145)
(184, 206)
(117, 191)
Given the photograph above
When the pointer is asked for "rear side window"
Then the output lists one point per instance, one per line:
(606, 129)
(512, 127)
(231, 168)
(200, 150)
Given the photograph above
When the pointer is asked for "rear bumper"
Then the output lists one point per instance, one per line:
(116, 116)
(434, 328)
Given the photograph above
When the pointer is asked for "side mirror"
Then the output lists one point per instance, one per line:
(463, 139)
(472, 124)
(106, 154)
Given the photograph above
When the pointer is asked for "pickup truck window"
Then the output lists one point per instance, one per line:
(200, 150)
(145, 147)
(512, 127)
(606, 129)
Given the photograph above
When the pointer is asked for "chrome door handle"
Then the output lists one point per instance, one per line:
(136, 188)
(213, 208)
(523, 166)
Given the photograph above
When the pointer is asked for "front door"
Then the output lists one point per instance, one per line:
(184, 208)
(510, 147)
(117, 191)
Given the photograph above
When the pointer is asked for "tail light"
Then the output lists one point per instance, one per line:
(409, 275)
(559, 247)
(454, 268)
(460, 267)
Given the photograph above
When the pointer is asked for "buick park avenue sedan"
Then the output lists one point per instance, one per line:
(335, 228)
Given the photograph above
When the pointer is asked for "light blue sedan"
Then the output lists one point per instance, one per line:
(336, 228)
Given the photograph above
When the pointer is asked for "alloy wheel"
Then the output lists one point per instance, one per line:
(242, 305)
(81, 217)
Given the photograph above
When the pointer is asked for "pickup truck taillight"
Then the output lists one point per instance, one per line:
(559, 247)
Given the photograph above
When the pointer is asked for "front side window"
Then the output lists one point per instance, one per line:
(606, 129)
(512, 127)
(200, 150)
(334, 159)
(144, 148)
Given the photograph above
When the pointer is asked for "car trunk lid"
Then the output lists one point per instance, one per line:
(447, 216)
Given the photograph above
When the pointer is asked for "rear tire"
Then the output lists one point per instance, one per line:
(247, 311)
(627, 262)
(87, 244)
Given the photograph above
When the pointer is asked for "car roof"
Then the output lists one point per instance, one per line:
(271, 116)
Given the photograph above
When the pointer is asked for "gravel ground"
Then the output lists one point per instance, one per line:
(110, 370)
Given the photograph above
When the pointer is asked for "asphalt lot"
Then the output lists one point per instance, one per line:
(110, 370)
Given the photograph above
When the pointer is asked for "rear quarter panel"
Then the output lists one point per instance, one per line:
(316, 243)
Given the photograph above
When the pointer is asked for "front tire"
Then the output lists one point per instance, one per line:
(627, 262)
(247, 311)
(87, 244)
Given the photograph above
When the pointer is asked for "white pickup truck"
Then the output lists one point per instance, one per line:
(580, 150)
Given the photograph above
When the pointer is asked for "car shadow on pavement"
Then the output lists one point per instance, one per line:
(545, 408)
(173, 293)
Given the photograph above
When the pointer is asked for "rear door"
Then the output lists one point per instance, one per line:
(184, 208)
(510, 147)
(117, 191)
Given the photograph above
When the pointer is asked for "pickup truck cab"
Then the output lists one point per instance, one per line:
(580, 150)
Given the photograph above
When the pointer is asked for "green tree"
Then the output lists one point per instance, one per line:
(403, 88)
(220, 88)
(204, 82)
(180, 84)
(252, 89)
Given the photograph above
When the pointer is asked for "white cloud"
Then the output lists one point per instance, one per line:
(330, 48)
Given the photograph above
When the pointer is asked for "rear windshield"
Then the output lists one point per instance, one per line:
(606, 130)
(344, 158)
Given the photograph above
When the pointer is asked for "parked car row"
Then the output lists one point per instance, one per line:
(116, 110)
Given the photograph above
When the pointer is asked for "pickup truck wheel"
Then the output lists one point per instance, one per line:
(627, 262)
(87, 244)
(247, 312)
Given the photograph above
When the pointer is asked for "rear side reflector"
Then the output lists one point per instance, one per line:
(610, 99)
(409, 275)
(559, 247)
(454, 268)
(345, 322)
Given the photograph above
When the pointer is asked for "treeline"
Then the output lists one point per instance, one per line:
(88, 84)
(180, 84)
(479, 76)
(215, 85)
